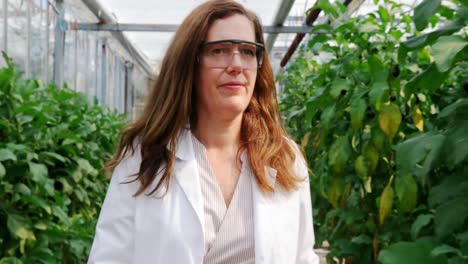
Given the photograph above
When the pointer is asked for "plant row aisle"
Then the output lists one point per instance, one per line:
(383, 120)
(53, 144)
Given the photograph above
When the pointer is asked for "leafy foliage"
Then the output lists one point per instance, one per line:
(380, 105)
(52, 148)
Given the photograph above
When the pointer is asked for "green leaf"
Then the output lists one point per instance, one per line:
(372, 156)
(428, 81)
(379, 140)
(451, 216)
(38, 201)
(415, 252)
(443, 249)
(460, 106)
(369, 27)
(23, 189)
(53, 155)
(338, 86)
(38, 171)
(390, 120)
(327, 116)
(424, 11)
(407, 192)
(317, 39)
(2, 171)
(362, 239)
(339, 154)
(456, 150)
(418, 155)
(358, 110)
(6, 154)
(326, 7)
(386, 203)
(57, 211)
(420, 222)
(40, 226)
(384, 15)
(87, 167)
(445, 50)
(10, 260)
(378, 94)
(19, 227)
(453, 186)
(361, 165)
(427, 39)
(335, 191)
(377, 69)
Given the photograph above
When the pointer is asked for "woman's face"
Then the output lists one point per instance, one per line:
(224, 89)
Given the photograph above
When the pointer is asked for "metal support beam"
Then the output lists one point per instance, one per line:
(280, 17)
(28, 39)
(47, 43)
(103, 91)
(5, 26)
(117, 27)
(59, 47)
(104, 17)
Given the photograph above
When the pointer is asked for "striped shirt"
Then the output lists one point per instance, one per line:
(229, 232)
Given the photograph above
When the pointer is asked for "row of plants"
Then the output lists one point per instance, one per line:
(379, 104)
(53, 143)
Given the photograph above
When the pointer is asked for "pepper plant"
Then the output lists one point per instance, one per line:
(53, 145)
(379, 104)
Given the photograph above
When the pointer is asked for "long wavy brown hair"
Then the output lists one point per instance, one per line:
(171, 102)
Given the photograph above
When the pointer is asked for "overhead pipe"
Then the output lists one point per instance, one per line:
(173, 27)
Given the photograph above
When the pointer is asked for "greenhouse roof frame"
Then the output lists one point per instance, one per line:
(104, 17)
(108, 22)
(129, 22)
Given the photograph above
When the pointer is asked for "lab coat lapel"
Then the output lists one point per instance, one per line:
(265, 217)
(187, 176)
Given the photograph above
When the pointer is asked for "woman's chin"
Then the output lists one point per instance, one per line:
(231, 111)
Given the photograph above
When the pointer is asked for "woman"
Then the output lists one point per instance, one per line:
(208, 173)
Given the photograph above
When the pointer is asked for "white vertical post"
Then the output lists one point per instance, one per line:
(75, 61)
(47, 43)
(29, 35)
(5, 26)
(103, 73)
(87, 66)
(59, 43)
(96, 64)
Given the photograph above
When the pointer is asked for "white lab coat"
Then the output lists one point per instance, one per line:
(147, 230)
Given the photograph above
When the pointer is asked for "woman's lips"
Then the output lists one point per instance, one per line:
(234, 86)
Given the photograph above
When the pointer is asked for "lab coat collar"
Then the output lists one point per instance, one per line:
(267, 212)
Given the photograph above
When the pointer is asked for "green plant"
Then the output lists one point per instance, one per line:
(52, 149)
(384, 125)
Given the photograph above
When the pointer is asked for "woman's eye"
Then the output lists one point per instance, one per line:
(248, 52)
(216, 51)
(219, 51)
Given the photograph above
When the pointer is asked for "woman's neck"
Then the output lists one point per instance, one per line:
(218, 134)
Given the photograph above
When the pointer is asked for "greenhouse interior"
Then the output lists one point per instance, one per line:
(374, 92)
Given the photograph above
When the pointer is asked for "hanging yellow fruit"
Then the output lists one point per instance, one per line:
(418, 119)
(389, 120)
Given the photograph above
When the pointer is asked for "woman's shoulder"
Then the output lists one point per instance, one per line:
(300, 164)
(129, 163)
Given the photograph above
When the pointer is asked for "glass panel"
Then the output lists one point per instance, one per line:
(17, 35)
